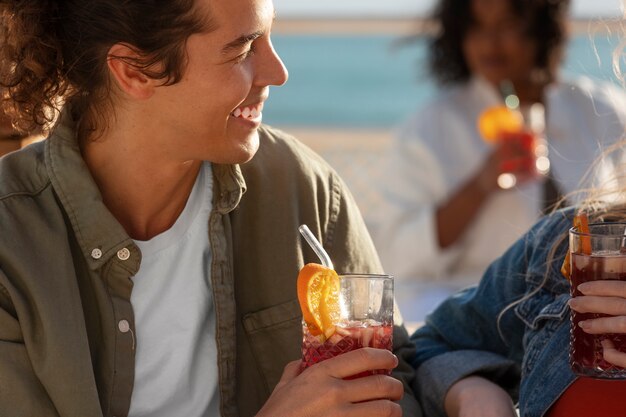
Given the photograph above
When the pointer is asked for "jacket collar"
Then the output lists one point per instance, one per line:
(99, 234)
(229, 186)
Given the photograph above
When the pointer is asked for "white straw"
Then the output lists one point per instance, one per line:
(316, 246)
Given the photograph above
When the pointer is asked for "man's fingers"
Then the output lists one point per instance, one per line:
(375, 387)
(292, 370)
(379, 408)
(357, 361)
(612, 355)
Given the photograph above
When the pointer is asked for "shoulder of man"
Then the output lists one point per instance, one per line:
(300, 183)
(23, 172)
(282, 154)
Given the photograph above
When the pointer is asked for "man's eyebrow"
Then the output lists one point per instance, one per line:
(241, 41)
(244, 39)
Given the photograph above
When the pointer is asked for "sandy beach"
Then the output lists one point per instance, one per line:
(325, 140)
(410, 26)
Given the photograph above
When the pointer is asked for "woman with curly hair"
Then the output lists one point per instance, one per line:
(445, 204)
(149, 247)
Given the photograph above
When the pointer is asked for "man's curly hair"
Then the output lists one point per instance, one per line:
(53, 52)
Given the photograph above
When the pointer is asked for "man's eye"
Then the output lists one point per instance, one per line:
(245, 55)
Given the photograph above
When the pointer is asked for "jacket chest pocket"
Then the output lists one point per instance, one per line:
(542, 313)
(275, 336)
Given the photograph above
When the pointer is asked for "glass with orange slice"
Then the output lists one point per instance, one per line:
(341, 313)
(519, 135)
(597, 251)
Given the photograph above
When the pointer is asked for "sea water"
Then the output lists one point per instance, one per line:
(378, 80)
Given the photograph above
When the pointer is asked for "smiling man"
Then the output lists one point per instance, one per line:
(149, 247)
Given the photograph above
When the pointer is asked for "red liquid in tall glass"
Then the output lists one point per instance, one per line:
(586, 349)
(519, 154)
(346, 339)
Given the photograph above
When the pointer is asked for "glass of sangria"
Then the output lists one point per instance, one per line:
(596, 253)
(360, 314)
(520, 137)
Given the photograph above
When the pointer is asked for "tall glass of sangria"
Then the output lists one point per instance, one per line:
(597, 252)
(343, 313)
(519, 137)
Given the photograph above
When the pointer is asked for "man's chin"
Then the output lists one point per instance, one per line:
(246, 150)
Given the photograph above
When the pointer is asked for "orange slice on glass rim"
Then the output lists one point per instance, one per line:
(497, 120)
(581, 223)
(318, 294)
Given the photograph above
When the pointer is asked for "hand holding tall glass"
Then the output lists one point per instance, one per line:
(597, 252)
(519, 137)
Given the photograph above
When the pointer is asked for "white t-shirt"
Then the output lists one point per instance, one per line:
(176, 371)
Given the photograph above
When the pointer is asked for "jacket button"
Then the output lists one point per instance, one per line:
(123, 254)
(96, 253)
(123, 326)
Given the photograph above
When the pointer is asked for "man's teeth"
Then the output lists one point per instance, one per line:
(247, 113)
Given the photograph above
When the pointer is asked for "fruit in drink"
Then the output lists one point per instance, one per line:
(498, 120)
(581, 224)
(326, 332)
(318, 294)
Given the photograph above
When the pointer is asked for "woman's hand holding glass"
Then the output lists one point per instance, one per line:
(499, 162)
(604, 297)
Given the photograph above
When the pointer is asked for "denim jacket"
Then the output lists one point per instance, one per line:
(513, 328)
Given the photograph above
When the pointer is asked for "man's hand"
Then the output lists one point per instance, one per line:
(321, 390)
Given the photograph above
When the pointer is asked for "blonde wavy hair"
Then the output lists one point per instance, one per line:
(604, 201)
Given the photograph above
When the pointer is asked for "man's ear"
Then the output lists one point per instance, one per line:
(130, 78)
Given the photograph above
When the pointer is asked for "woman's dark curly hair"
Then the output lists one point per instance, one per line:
(55, 51)
(545, 24)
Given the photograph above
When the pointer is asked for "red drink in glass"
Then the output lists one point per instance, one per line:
(351, 337)
(364, 319)
(586, 349)
(519, 153)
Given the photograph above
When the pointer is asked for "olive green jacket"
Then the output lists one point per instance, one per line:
(66, 348)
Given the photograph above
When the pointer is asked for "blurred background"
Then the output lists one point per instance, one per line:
(357, 64)
(358, 70)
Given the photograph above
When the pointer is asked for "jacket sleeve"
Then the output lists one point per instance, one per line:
(352, 250)
(475, 332)
(21, 392)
